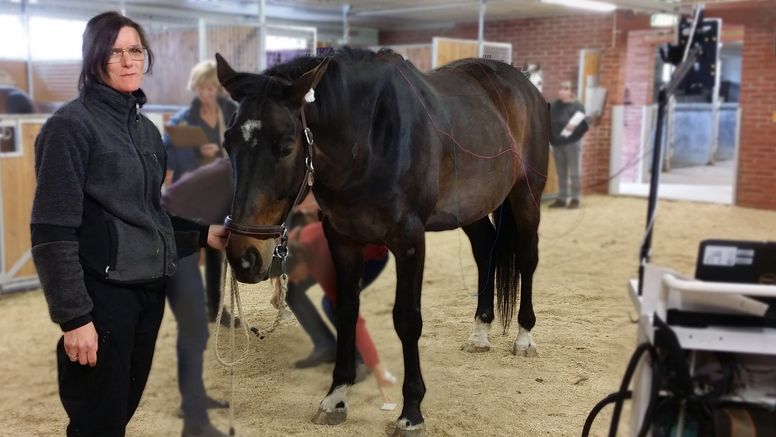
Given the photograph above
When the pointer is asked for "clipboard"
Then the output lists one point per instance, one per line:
(185, 137)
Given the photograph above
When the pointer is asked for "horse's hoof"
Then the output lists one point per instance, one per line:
(525, 351)
(405, 429)
(335, 417)
(478, 339)
(472, 347)
(524, 345)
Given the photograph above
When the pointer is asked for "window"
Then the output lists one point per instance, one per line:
(12, 29)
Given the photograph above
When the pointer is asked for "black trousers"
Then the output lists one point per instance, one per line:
(214, 260)
(101, 400)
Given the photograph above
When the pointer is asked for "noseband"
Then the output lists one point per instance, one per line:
(266, 232)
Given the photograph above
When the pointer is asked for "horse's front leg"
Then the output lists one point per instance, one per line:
(348, 265)
(409, 248)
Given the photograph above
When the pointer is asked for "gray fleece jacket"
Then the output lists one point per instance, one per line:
(99, 165)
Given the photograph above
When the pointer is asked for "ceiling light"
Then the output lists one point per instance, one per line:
(588, 5)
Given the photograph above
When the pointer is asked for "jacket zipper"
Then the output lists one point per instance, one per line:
(146, 194)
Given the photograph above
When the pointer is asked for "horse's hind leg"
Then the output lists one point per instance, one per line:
(525, 210)
(482, 236)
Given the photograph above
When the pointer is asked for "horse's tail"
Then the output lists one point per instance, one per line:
(507, 271)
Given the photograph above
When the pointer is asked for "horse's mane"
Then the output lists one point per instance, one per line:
(293, 69)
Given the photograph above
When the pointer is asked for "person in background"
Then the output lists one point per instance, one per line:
(309, 263)
(15, 101)
(210, 109)
(185, 290)
(564, 120)
(102, 245)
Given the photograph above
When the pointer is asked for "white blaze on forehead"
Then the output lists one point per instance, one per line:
(248, 127)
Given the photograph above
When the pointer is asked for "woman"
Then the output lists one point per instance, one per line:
(566, 116)
(185, 290)
(209, 110)
(102, 245)
(310, 262)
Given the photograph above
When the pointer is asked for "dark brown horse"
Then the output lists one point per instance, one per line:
(397, 153)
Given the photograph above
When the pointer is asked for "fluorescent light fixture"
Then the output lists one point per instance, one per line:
(664, 20)
(589, 5)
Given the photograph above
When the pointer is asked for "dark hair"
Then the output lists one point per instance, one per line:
(99, 36)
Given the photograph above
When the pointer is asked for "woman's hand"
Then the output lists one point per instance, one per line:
(217, 236)
(209, 150)
(81, 344)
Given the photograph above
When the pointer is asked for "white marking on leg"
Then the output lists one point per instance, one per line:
(478, 339)
(524, 344)
(247, 129)
(339, 395)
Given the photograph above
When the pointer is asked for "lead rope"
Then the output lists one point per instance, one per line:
(234, 297)
(281, 251)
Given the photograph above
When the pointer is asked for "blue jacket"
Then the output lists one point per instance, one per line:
(181, 161)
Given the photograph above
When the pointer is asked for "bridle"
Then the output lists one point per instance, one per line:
(266, 232)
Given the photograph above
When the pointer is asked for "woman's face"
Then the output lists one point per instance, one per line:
(125, 74)
(207, 93)
(564, 93)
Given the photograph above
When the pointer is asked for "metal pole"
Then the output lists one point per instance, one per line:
(345, 24)
(202, 34)
(657, 159)
(481, 31)
(715, 107)
(262, 35)
(123, 7)
(26, 22)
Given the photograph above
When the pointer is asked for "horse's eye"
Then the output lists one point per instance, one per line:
(286, 147)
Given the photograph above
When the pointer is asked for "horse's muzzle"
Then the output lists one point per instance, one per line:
(248, 267)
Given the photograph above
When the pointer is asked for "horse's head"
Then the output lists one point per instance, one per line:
(266, 145)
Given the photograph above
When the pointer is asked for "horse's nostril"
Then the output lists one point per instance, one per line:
(251, 259)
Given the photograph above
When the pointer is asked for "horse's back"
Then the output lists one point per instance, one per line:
(496, 118)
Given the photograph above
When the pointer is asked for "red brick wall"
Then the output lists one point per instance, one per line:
(555, 43)
(628, 64)
(757, 150)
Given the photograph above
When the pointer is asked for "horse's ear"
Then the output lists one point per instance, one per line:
(298, 91)
(231, 81)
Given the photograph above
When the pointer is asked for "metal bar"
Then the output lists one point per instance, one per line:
(345, 24)
(481, 31)
(760, 290)
(262, 35)
(657, 155)
(202, 34)
(696, 17)
(26, 23)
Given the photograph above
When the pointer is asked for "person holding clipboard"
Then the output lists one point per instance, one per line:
(567, 126)
(194, 139)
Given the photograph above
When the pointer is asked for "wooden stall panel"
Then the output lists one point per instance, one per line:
(448, 50)
(18, 179)
(418, 54)
(551, 187)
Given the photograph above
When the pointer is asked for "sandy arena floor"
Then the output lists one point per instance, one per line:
(583, 334)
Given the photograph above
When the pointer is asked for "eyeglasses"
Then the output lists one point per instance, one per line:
(135, 53)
